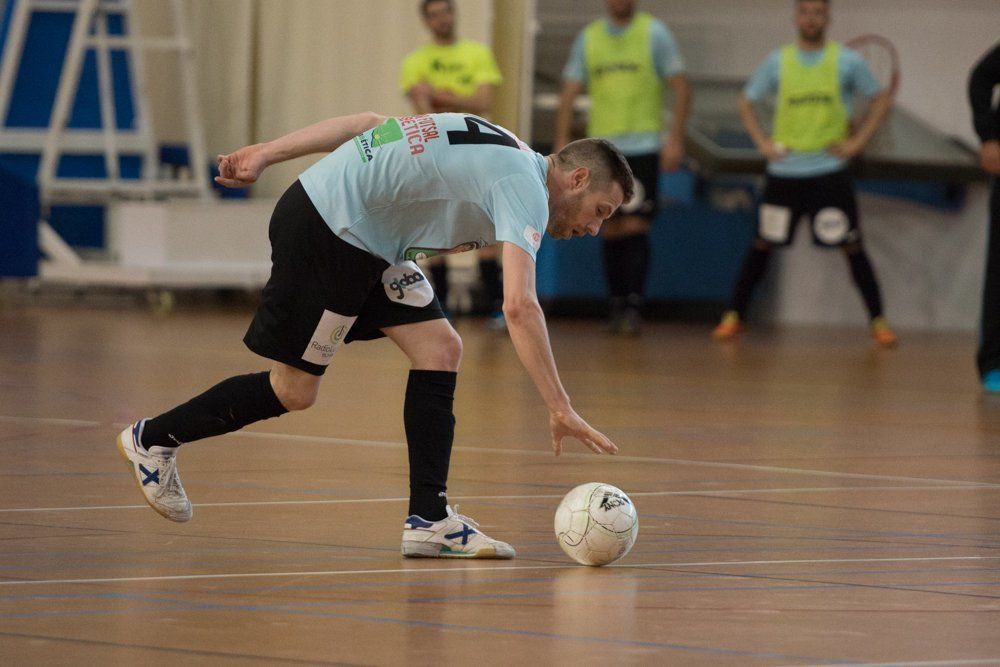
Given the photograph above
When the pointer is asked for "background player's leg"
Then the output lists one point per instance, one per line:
(988, 357)
(750, 275)
(435, 352)
(864, 278)
(626, 259)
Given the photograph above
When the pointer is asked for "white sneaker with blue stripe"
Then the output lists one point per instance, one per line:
(455, 536)
(155, 471)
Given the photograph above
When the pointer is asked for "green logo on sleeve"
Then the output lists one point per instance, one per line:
(386, 133)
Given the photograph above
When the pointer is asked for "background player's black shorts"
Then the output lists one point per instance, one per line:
(646, 170)
(827, 201)
(322, 291)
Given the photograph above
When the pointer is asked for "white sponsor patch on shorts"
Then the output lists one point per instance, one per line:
(329, 335)
(831, 226)
(775, 223)
(638, 199)
(406, 284)
(533, 237)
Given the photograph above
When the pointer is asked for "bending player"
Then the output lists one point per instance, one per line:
(343, 240)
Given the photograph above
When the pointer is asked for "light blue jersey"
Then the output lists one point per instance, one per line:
(667, 61)
(856, 78)
(426, 185)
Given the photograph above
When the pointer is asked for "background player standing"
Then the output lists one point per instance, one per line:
(624, 61)
(452, 74)
(986, 117)
(815, 81)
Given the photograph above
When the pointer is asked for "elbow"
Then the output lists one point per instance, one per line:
(517, 311)
(370, 119)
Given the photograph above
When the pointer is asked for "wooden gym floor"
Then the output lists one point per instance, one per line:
(803, 499)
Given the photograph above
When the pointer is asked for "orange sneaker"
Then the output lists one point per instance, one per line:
(729, 327)
(883, 335)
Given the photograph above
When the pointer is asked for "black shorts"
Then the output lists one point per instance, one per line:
(827, 201)
(324, 291)
(646, 171)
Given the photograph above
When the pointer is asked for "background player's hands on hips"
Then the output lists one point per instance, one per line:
(570, 424)
(846, 149)
(241, 168)
(773, 151)
(989, 157)
(671, 155)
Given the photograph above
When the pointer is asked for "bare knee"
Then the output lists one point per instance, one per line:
(297, 390)
(446, 354)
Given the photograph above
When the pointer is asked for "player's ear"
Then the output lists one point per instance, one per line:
(579, 178)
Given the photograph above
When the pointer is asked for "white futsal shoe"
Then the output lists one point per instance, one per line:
(155, 471)
(455, 536)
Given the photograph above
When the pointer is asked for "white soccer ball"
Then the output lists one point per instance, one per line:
(596, 524)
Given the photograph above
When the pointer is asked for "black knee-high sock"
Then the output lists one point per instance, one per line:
(614, 266)
(864, 278)
(489, 273)
(439, 276)
(750, 274)
(635, 264)
(429, 418)
(228, 406)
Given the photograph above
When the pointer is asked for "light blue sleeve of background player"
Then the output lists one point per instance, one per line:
(576, 66)
(763, 82)
(667, 56)
(519, 207)
(856, 76)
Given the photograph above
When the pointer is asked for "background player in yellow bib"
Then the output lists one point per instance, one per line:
(624, 61)
(452, 74)
(814, 82)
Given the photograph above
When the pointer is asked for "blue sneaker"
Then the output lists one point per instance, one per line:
(455, 536)
(991, 381)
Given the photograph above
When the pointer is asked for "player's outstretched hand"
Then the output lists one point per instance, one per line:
(241, 168)
(570, 424)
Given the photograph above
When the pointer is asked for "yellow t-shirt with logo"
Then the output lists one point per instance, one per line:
(459, 68)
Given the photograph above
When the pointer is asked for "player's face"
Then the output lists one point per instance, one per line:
(583, 210)
(811, 19)
(621, 10)
(440, 20)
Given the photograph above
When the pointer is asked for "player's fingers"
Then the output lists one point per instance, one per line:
(557, 445)
(594, 447)
(606, 444)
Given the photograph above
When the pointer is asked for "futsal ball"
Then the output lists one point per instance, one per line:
(596, 524)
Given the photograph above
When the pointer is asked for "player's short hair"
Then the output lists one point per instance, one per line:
(606, 163)
(424, 4)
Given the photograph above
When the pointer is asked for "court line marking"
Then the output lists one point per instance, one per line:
(930, 663)
(426, 571)
(638, 494)
(546, 453)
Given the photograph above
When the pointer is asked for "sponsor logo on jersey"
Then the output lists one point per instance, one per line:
(413, 254)
(406, 280)
(419, 130)
(533, 237)
(386, 133)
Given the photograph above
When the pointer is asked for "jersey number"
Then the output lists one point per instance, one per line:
(475, 134)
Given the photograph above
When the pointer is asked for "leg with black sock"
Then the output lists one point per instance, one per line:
(439, 276)
(613, 250)
(226, 407)
(864, 279)
(489, 274)
(635, 261)
(429, 419)
(754, 265)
